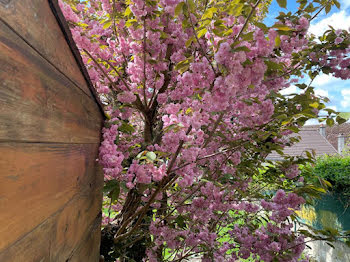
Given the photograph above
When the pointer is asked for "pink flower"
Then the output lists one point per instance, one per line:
(338, 40)
(126, 97)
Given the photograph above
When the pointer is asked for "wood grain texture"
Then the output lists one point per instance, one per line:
(50, 131)
(52, 241)
(34, 247)
(89, 248)
(37, 180)
(56, 10)
(75, 223)
(34, 22)
(38, 103)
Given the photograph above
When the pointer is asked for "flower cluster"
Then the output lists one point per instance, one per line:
(194, 110)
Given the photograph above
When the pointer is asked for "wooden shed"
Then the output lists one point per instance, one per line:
(50, 123)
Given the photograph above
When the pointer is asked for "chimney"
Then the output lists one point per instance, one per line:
(341, 143)
(323, 130)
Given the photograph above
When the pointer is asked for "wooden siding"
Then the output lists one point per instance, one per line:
(50, 123)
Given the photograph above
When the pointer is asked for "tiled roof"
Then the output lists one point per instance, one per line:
(311, 139)
(332, 132)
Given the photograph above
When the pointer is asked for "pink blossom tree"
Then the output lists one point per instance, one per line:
(191, 89)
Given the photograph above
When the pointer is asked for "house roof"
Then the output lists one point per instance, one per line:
(332, 132)
(311, 139)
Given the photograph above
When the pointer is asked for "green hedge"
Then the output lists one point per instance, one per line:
(336, 170)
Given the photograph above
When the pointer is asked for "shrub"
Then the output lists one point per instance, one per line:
(336, 170)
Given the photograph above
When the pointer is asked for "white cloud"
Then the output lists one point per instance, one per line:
(333, 107)
(321, 92)
(324, 79)
(311, 122)
(345, 103)
(339, 20)
(345, 92)
(290, 90)
(346, 98)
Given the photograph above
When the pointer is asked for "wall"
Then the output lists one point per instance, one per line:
(322, 252)
(50, 122)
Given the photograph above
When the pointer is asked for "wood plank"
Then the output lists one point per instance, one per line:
(89, 249)
(74, 224)
(36, 180)
(34, 21)
(38, 103)
(54, 241)
(34, 247)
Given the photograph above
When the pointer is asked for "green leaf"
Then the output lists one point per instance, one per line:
(282, 27)
(179, 8)
(293, 128)
(191, 5)
(130, 22)
(277, 41)
(126, 128)
(282, 3)
(247, 62)
(273, 65)
(308, 154)
(163, 35)
(330, 121)
(114, 194)
(241, 48)
(189, 41)
(180, 221)
(202, 32)
(209, 13)
(280, 152)
(236, 9)
(184, 65)
(340, 120)
(345, 115)
(248, 37)
(151, 155)
(336, 4)
(183, 68)
(107, 24)
(127, 11)
(218, 32)
(314, 105)
(110, 185)
(262, 26)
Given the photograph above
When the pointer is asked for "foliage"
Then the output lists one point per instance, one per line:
(192, 98)
(336, 170)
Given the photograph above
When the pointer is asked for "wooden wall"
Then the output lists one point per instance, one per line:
(50, 122)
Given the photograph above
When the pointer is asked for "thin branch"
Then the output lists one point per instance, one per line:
(209, 156)
(216, 124)
(167, 79)
(196, 189)
(177, 152)
(144, 59)
(195, 35)
(138, 102)
(120, 77)
(285, 73)
(247, 20)
(143, 210)
(319, 11)
(101, 69)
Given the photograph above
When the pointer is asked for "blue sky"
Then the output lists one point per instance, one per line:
(338, 91)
